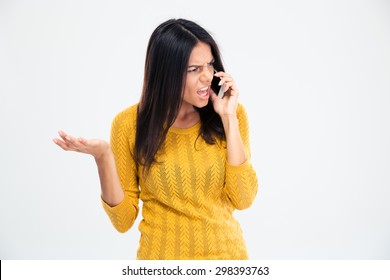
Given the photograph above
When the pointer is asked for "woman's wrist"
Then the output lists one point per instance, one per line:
(228, 120)
(104, 155)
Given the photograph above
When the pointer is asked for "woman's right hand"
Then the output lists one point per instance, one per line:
(95, 147)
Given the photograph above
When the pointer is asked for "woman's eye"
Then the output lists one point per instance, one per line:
(193, 69)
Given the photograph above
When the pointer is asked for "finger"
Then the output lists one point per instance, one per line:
(61, 144)
(65, 137)
(230, 86)
(221, 74)
(82, 141)
(62, 133)
(71, 143)
(225, 80)
(69, 139)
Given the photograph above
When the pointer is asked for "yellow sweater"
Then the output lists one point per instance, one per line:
(188, 198)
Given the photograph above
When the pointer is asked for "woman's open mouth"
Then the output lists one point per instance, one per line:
(203, 92)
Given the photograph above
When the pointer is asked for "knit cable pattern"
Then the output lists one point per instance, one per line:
(188, 197)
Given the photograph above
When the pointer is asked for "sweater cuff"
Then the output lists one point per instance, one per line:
(117, 208)
(237, 168)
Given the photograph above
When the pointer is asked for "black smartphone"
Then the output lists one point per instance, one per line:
(215, 87)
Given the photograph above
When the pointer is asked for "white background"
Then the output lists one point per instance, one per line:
(313, 75)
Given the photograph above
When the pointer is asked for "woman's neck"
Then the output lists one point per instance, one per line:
(186, 118)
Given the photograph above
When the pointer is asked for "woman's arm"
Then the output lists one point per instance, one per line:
(241, 183)
(117, 169)
(112, 192)
(226, 108)
(235, 148)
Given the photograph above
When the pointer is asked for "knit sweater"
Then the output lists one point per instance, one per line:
(188, 197)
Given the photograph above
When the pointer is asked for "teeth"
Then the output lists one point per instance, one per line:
(203, 91)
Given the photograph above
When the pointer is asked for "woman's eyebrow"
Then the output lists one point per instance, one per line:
(194, 65)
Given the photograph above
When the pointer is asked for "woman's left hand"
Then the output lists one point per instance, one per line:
(228, 104)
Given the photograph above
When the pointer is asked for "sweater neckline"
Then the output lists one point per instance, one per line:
(189, 130)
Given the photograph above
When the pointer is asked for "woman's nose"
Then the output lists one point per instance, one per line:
(207, 74)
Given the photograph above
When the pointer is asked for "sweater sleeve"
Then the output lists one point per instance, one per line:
(241, 183)
(124, 214)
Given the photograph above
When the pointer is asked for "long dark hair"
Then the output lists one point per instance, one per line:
(167, 56)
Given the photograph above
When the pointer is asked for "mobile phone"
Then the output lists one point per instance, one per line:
(217, 88)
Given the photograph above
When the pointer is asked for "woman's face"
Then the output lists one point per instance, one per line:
(200, 73)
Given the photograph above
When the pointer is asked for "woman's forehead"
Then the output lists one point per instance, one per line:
(200, 54)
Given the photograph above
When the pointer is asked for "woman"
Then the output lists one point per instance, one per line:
(182, 150)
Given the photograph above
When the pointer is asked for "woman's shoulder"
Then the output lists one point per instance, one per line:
(129, 113)
(127, 117)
